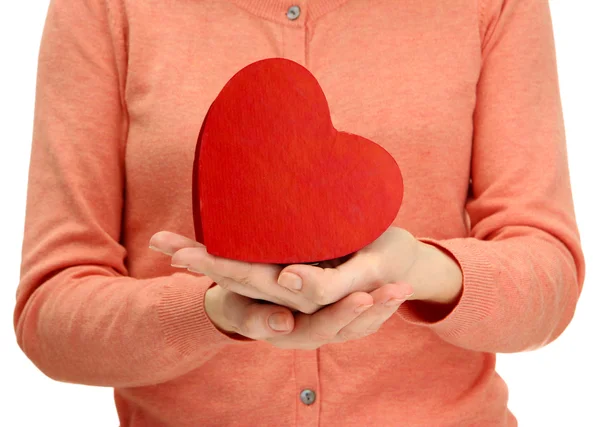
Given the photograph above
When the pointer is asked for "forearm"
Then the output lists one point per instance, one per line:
(518, 293)
(88, 326)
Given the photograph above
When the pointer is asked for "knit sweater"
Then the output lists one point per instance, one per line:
(463, 93)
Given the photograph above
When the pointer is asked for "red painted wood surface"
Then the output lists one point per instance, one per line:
(275, 182)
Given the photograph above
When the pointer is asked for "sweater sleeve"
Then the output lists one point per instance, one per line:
(78, 315)
(522, 264)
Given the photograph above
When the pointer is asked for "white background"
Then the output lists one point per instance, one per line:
(558, 385)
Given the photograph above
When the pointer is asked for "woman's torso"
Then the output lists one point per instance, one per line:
(402, 74)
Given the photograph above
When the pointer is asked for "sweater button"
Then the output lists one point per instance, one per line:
(293, 13)
(308, 397)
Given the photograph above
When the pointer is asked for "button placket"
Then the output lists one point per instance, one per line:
(294, 33)
(306, 370)
(306, 374)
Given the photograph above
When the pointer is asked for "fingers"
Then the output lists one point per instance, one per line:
(386, 301)
(327, 285)
(169, 243)
(256, 320)
(312, 331)
(193, 258)
(326, 324)
(198, 260)
(248, 291)
(285, 298)
(249, 279)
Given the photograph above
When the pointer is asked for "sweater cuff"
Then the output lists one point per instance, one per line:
(185, 324)
(478, 294)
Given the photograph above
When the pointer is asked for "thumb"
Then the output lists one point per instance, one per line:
(327, 285)
(255, 319)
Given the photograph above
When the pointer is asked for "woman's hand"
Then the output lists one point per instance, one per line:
(353, 317)
(252, 280)
(395, 257)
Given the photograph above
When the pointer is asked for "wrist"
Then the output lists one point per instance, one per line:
(437, 277)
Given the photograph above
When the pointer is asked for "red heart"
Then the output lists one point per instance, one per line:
(275, 182)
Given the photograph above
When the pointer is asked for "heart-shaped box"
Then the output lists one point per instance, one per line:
(275, 182)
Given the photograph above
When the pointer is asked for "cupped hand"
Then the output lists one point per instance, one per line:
(233, 306)
(353, 317)
(396, 257)
(252, 280)
(429, 274)
(389, 259)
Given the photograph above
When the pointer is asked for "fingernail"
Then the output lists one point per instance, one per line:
(154, 248)
(409, 292)
(290, 281)
(279, 322)
(394, 302)
(179, 266)
(363, 308)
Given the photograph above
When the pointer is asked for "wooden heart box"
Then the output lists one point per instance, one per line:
(275, 182)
